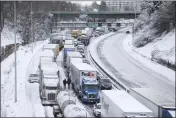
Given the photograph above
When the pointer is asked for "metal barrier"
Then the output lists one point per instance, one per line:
(7, 53)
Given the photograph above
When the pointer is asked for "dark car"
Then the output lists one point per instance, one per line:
(105, 84)
(127, 32)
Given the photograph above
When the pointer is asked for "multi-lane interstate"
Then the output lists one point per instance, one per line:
(111, 56)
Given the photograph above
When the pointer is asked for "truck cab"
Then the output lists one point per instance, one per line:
(49, 91)
(90, 91)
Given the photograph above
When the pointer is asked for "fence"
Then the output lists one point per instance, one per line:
(8, 52)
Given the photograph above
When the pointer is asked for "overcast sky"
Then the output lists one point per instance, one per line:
(85, 2)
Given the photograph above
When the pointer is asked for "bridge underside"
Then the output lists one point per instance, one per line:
(71, 16)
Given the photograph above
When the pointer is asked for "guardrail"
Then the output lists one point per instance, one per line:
(9, 52)
(108, 75)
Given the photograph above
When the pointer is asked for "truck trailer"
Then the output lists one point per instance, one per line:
(161, 105)
(118, 103)
(67, 48)
(84, 82)
(72, 55)
(64, 98)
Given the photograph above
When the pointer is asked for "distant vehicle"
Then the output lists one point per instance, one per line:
(127, 32)
(86, 61)
(33, 78)
(97, 109)
(105, 84)
(75, 42)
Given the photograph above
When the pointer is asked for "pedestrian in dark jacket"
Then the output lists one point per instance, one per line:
(64, 83)
(69, 82)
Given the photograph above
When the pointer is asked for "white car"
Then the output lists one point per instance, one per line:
(97, 110)
(33, 78)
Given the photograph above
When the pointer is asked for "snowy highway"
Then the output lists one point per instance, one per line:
(110, 55)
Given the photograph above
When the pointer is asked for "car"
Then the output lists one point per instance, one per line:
(127, 32)
(33, 78)
(105, 84)
(86, 61)
(97, 109)
(75, 42)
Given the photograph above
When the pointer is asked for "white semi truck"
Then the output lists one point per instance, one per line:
(118, 103)
(161, 105)
(49, 82)
(84, 82)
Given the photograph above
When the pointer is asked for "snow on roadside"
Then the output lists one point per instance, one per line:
(24, 55)
(7, 35)
(143, 56)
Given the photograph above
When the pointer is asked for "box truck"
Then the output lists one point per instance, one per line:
(161, 105)
(118, 103)
(67, 48)
(71, 55)
(84, 82)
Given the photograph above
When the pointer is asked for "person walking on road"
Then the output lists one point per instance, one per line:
(69, 82)
(64, 83)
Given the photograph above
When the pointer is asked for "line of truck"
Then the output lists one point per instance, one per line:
(114, 103)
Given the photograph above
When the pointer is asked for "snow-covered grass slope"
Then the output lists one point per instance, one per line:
(161, 49)
(7, 36)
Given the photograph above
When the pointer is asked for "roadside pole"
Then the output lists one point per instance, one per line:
(15, 52)
(32, 28)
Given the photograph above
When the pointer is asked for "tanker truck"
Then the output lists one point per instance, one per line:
(67, 107)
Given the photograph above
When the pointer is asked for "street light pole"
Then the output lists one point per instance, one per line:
(32, 28)
(15, 52)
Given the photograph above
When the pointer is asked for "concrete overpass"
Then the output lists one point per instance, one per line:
(100, 14)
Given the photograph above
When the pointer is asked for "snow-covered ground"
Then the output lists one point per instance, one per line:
(24, 55)
(130, 72)
(7, 36)
(143, 55)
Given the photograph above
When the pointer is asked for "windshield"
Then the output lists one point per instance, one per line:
(105, 80)
(55, 41)
(90, 87)
(51, 88)
(33, 75)
(98, 106)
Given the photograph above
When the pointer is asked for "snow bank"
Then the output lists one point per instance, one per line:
(24, 55)
(7, 36)
(143, 55)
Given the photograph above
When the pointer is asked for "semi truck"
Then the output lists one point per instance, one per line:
(48, 82)
(54, 47)
(84, 82)
(63, 100)
(68, 106)
(67, 48)
(161, 105)
(71, 55)
(118, 103)
(69, 42)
